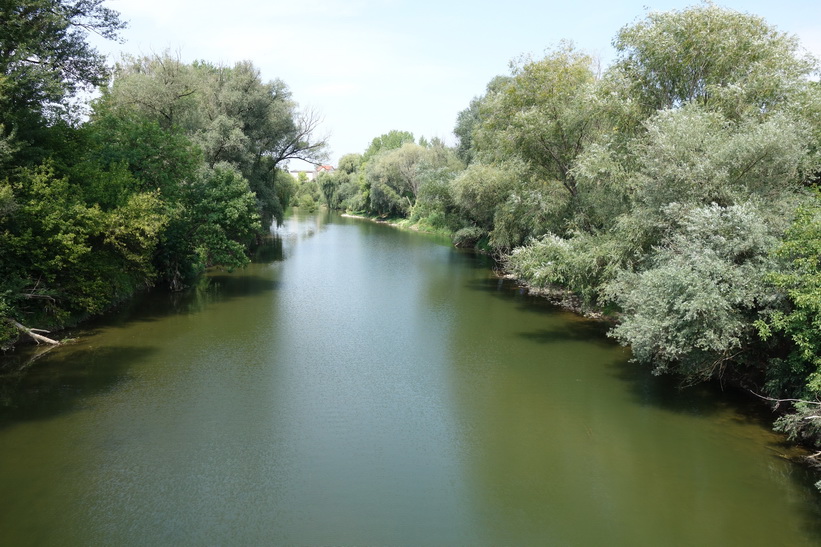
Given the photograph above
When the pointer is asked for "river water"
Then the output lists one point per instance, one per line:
(361, 385)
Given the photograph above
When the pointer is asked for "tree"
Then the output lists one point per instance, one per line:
(388, 141)
(391, 176)
(544, 115)
(800, 320)
(731, 61)
(480, 189)
(692, 310)
(61, 256)
(349, 194)
(435, 172)
(223, 217)
(397, 177)
(469, 119)
(229, 112)
(44, 58)
(693, 155)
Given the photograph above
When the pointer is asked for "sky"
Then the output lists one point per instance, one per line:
(371, 66)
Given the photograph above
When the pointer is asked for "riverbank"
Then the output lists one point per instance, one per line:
(403, 223)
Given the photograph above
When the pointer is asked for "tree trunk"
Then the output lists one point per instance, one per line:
(37, 337)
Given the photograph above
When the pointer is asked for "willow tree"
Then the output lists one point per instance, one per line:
(229, 112)
(723, 59)
(543, 115)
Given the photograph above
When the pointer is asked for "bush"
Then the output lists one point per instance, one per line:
(468, 237)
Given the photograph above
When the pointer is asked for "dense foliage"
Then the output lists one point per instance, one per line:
(673, 190)
(176, 170)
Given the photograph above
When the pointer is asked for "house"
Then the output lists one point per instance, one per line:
(311, 174)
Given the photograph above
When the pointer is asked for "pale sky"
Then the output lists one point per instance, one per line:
(370, 66)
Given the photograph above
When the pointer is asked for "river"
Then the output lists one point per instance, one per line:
(362, 385)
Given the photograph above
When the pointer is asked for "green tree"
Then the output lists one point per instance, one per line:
(731, 61)
(223, 216)
(693, 309)
(329, 185)
(61, 257)
(800, 321)
(308, 193)
(45, 59)
(229, 112)
(544, 116)
(480, 189)
(435, 172)
(469, 119)
(389, 141)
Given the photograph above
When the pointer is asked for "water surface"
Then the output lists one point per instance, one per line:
(360, 385)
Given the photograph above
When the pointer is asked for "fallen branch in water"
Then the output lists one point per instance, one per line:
(31, 332)
(776, 401)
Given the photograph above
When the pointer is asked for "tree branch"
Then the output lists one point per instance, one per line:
(37, 337)
(816, 403)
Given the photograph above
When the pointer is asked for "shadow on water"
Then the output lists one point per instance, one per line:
(510, 290)
(803, 477)
(472, 259)
(63, 382)
(667, 393)
(269, 250)
(575, 328)
(161, 303)
(711, 399)
(587, 331)
(37, 384)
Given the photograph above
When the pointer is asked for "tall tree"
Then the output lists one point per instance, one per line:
(388, 141)
(720, 58)
(45, 58)
(544, 115)
(229, 112)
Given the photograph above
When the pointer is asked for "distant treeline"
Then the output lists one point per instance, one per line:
(676, 190)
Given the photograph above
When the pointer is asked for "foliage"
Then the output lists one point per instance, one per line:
(62, 257)
(543, 115)
(411, 180)
(803, 424)
(468, 237)
(308, 193)
(582, 264)
(44, 56)
(800, 321)
(223, 216)
(729, 61)
(228, 112)
(389, 141)
(469, 119)
(479, 189)
(692, 310)
(692, 155)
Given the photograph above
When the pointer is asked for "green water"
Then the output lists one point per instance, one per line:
(360, 385)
